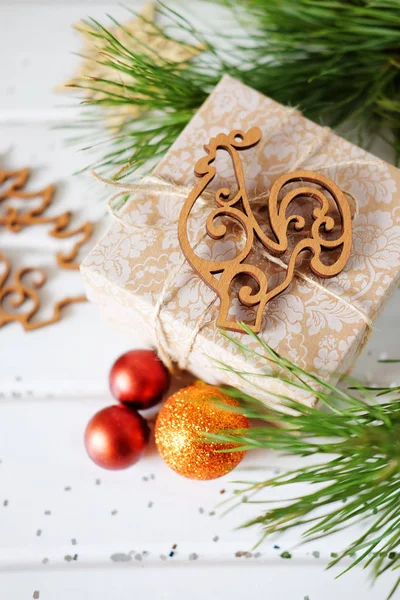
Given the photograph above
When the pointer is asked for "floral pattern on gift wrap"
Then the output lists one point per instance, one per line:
(191, 293)
(168, 208)
(326, 313)
(376, 245)
(330, 352)
(339, 285)
(365, 182)
(139, 211)
(179, 165)
(294, 347)
(111, 257)
(224, 350)
(372, 182)
(286, 147)
(141, 241)
(227, 103)
(282, 315)
(256, 178)
(148, 274)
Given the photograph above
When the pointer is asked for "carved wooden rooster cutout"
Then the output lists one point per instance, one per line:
(238, 208)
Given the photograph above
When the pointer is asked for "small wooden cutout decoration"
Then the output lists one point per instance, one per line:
(238, 208)
(15, 219)
(19, 293)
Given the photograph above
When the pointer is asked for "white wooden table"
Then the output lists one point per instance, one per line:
(67, 528)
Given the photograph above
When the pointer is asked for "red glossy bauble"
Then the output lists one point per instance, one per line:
(139, 378)
(116, 437)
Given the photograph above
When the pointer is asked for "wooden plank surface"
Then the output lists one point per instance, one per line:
(68, 529)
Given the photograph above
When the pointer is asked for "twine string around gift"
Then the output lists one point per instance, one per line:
(158, 185)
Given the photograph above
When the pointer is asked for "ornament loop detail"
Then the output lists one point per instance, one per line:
(331, 214)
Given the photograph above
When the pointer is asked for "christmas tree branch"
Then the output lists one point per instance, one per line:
(338, 61)
(358, 480)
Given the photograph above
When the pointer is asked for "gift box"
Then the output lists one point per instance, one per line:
(140, 278)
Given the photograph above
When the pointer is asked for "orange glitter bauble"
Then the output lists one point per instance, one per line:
(182, 420)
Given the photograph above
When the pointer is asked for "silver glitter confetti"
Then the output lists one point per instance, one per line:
(120, 557)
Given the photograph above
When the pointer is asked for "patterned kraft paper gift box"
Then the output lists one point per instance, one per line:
(140, 278)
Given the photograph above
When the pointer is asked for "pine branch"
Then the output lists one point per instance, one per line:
(358, 478)
(338, 61)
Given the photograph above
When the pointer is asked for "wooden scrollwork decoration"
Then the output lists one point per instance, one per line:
(239, 209)
(15, 219)
(19, 295)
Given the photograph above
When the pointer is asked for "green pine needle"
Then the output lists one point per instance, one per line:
(338, 61)
(358, 478)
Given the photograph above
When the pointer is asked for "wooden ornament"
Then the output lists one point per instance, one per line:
(15, 220)
(18, 293)
(238, 209)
